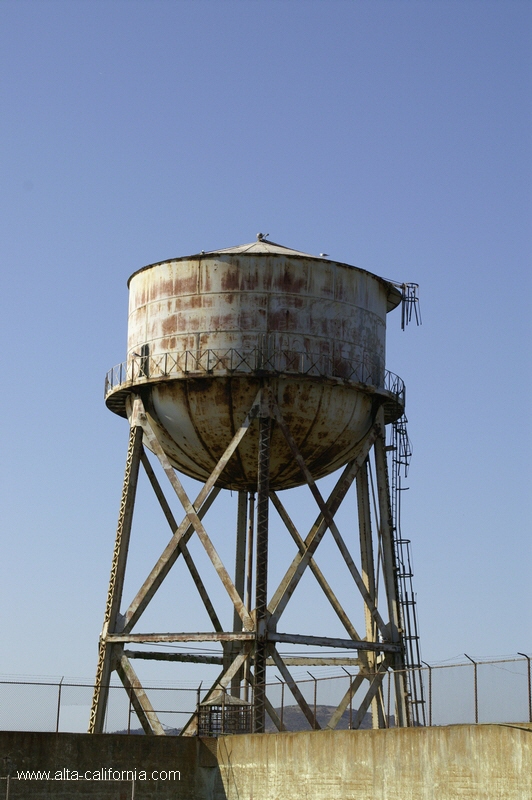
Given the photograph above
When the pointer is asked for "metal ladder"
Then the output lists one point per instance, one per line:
(399, 454)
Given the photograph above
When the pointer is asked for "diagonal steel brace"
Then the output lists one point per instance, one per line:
(185, 530)
(328, 517)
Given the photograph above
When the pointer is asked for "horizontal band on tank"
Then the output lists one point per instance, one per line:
(149, 368)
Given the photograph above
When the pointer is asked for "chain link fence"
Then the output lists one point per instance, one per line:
(493, 691)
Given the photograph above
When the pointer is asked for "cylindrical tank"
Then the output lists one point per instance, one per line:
(206, 331)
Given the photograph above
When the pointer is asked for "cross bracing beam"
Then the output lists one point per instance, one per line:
(148, 718)
(185, 530)
(250, 646)
(338, 713)
(189, 561)
(208, 636)
(328, 517)
(316, 571)
(294, 688)
(195, 658)
(327, 641)
(196, 522)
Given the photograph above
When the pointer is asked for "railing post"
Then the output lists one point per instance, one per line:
(529, 687)
(476, 687)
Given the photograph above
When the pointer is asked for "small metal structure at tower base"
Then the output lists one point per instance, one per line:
(224, 714)
(271, 446)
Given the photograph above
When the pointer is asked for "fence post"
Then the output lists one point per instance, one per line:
(529, 687)
(198, 697)
(282, 699)
(430, 692)
(315, 697)
(350, 698)
(476, 687)
(59, 704)
(129, 712)
(389, 697)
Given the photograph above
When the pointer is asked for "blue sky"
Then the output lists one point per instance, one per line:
(394, 135)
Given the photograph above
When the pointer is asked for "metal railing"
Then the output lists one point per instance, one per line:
(259, 360)
(474, 691)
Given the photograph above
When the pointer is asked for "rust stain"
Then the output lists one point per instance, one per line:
(247, 303)
(230, 280)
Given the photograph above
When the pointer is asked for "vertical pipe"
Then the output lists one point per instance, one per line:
(261, 572)
(249, 579)
(240, 578)
(251, 534)
(240, 558)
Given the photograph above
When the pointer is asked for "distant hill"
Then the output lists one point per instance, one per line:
(294, 720)
(140, 732)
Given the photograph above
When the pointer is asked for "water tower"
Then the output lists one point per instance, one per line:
(258, 369)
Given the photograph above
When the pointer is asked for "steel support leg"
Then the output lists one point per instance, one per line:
(261, 587)
(368, 576)
(240, 577)
(116, 581)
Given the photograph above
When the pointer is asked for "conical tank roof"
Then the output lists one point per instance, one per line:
(262, 246)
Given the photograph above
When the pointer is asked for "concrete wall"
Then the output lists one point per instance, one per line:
(99, 753)
(459, 762)
(484, 762)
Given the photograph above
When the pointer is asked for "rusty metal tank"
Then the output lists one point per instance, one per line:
(206, 331)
